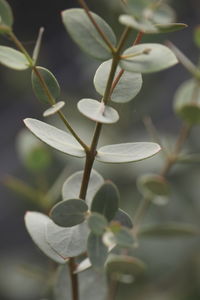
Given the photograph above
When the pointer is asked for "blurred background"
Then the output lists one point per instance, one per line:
(173, 264)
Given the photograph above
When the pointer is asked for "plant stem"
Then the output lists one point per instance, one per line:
(74, 278)
(102, 34)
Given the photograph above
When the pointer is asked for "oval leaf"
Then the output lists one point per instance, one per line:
(187, 102)
(69, 213)
(98, 111)
(83, 32)
(36, 224)
(163, 28)
(67, 242)
(126, 153)
(143, 25)
(72, 186)
(147, 58)
(97, 223)
(123, 237)
(51, 83)
(6, 15)
(54, 109)
(155, 184)
(171, 230)
(37, 47)
(106, 201)
(119, 266)
(13, 59)
(127, 88)
(123, 218)
(55, 137)
(97, 251)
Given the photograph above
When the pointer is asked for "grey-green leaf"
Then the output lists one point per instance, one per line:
(69, 212)
(67, 242)
(54, 137)
(148, 58)
(106, 200)
(98, 111)
(13, 59)
(171, 27)
(37, 47)
(123, 218)
(51, 83)
(83, 32)
(6, 15)
(36, 225)
(72, 186)
(169, 230)
(187, 102)
(143, 25)
(54, 109)
(97, 223)
(154, 184)
(126, 153)
(97, 251)
(123, 237)
(129, 84)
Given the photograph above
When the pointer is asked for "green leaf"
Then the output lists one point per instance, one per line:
(83, 265)
(143, 25)
(36, 224)
(98, 111)
(154, 184)
(170, 230)
(50, 81)
(126, 153)
(67, 242)
(197, 36)
(83, 32)
(106, 200)
(54, 109)
(97, 223)
(62, 284)
(6, 15)
(55, 137)
(72, 186)
(124, 268)
(37, 47)
(97, 251)
(13, 59)
(68, 213)
(139, 7)
(187, 102)
(147, 58)
(123, 237)
(123, 218)
(127, 88)
(171, 27)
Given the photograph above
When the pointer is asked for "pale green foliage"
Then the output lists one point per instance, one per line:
(6, 15)
(54, 109)
(13, 59)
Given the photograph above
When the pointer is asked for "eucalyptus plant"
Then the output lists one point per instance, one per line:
(88, 229)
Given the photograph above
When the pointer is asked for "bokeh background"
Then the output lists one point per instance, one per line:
(173, 265)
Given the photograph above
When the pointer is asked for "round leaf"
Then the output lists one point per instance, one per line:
(6, 15)
(69, 213)
(13, 59)
(67, 242)
(55, 137)
(106, 201)
(97, 251)
(123, 237)
(147, 58)
(97, 223)
(72, 186)
(98, 111)
(126, 153)
(54, 109)
(120, 266)
(155, 184)
(127, 88)
(83, 32)
(36, 224)
(51, 83)
(123, 218)
(171, 230)
(187, 102)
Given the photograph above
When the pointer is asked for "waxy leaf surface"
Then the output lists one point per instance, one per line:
(6, 15)
(123, 218)
(50, 81)
(83, 32)
(148, 58)
(97, 251)
(97, 111)
(69, 212)
(97, 223)
(127, 87)
(13, 59)
(54, 137)
(106, 201)
(36, 225)
(37, 47)
(54, 109)
(126, 153)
